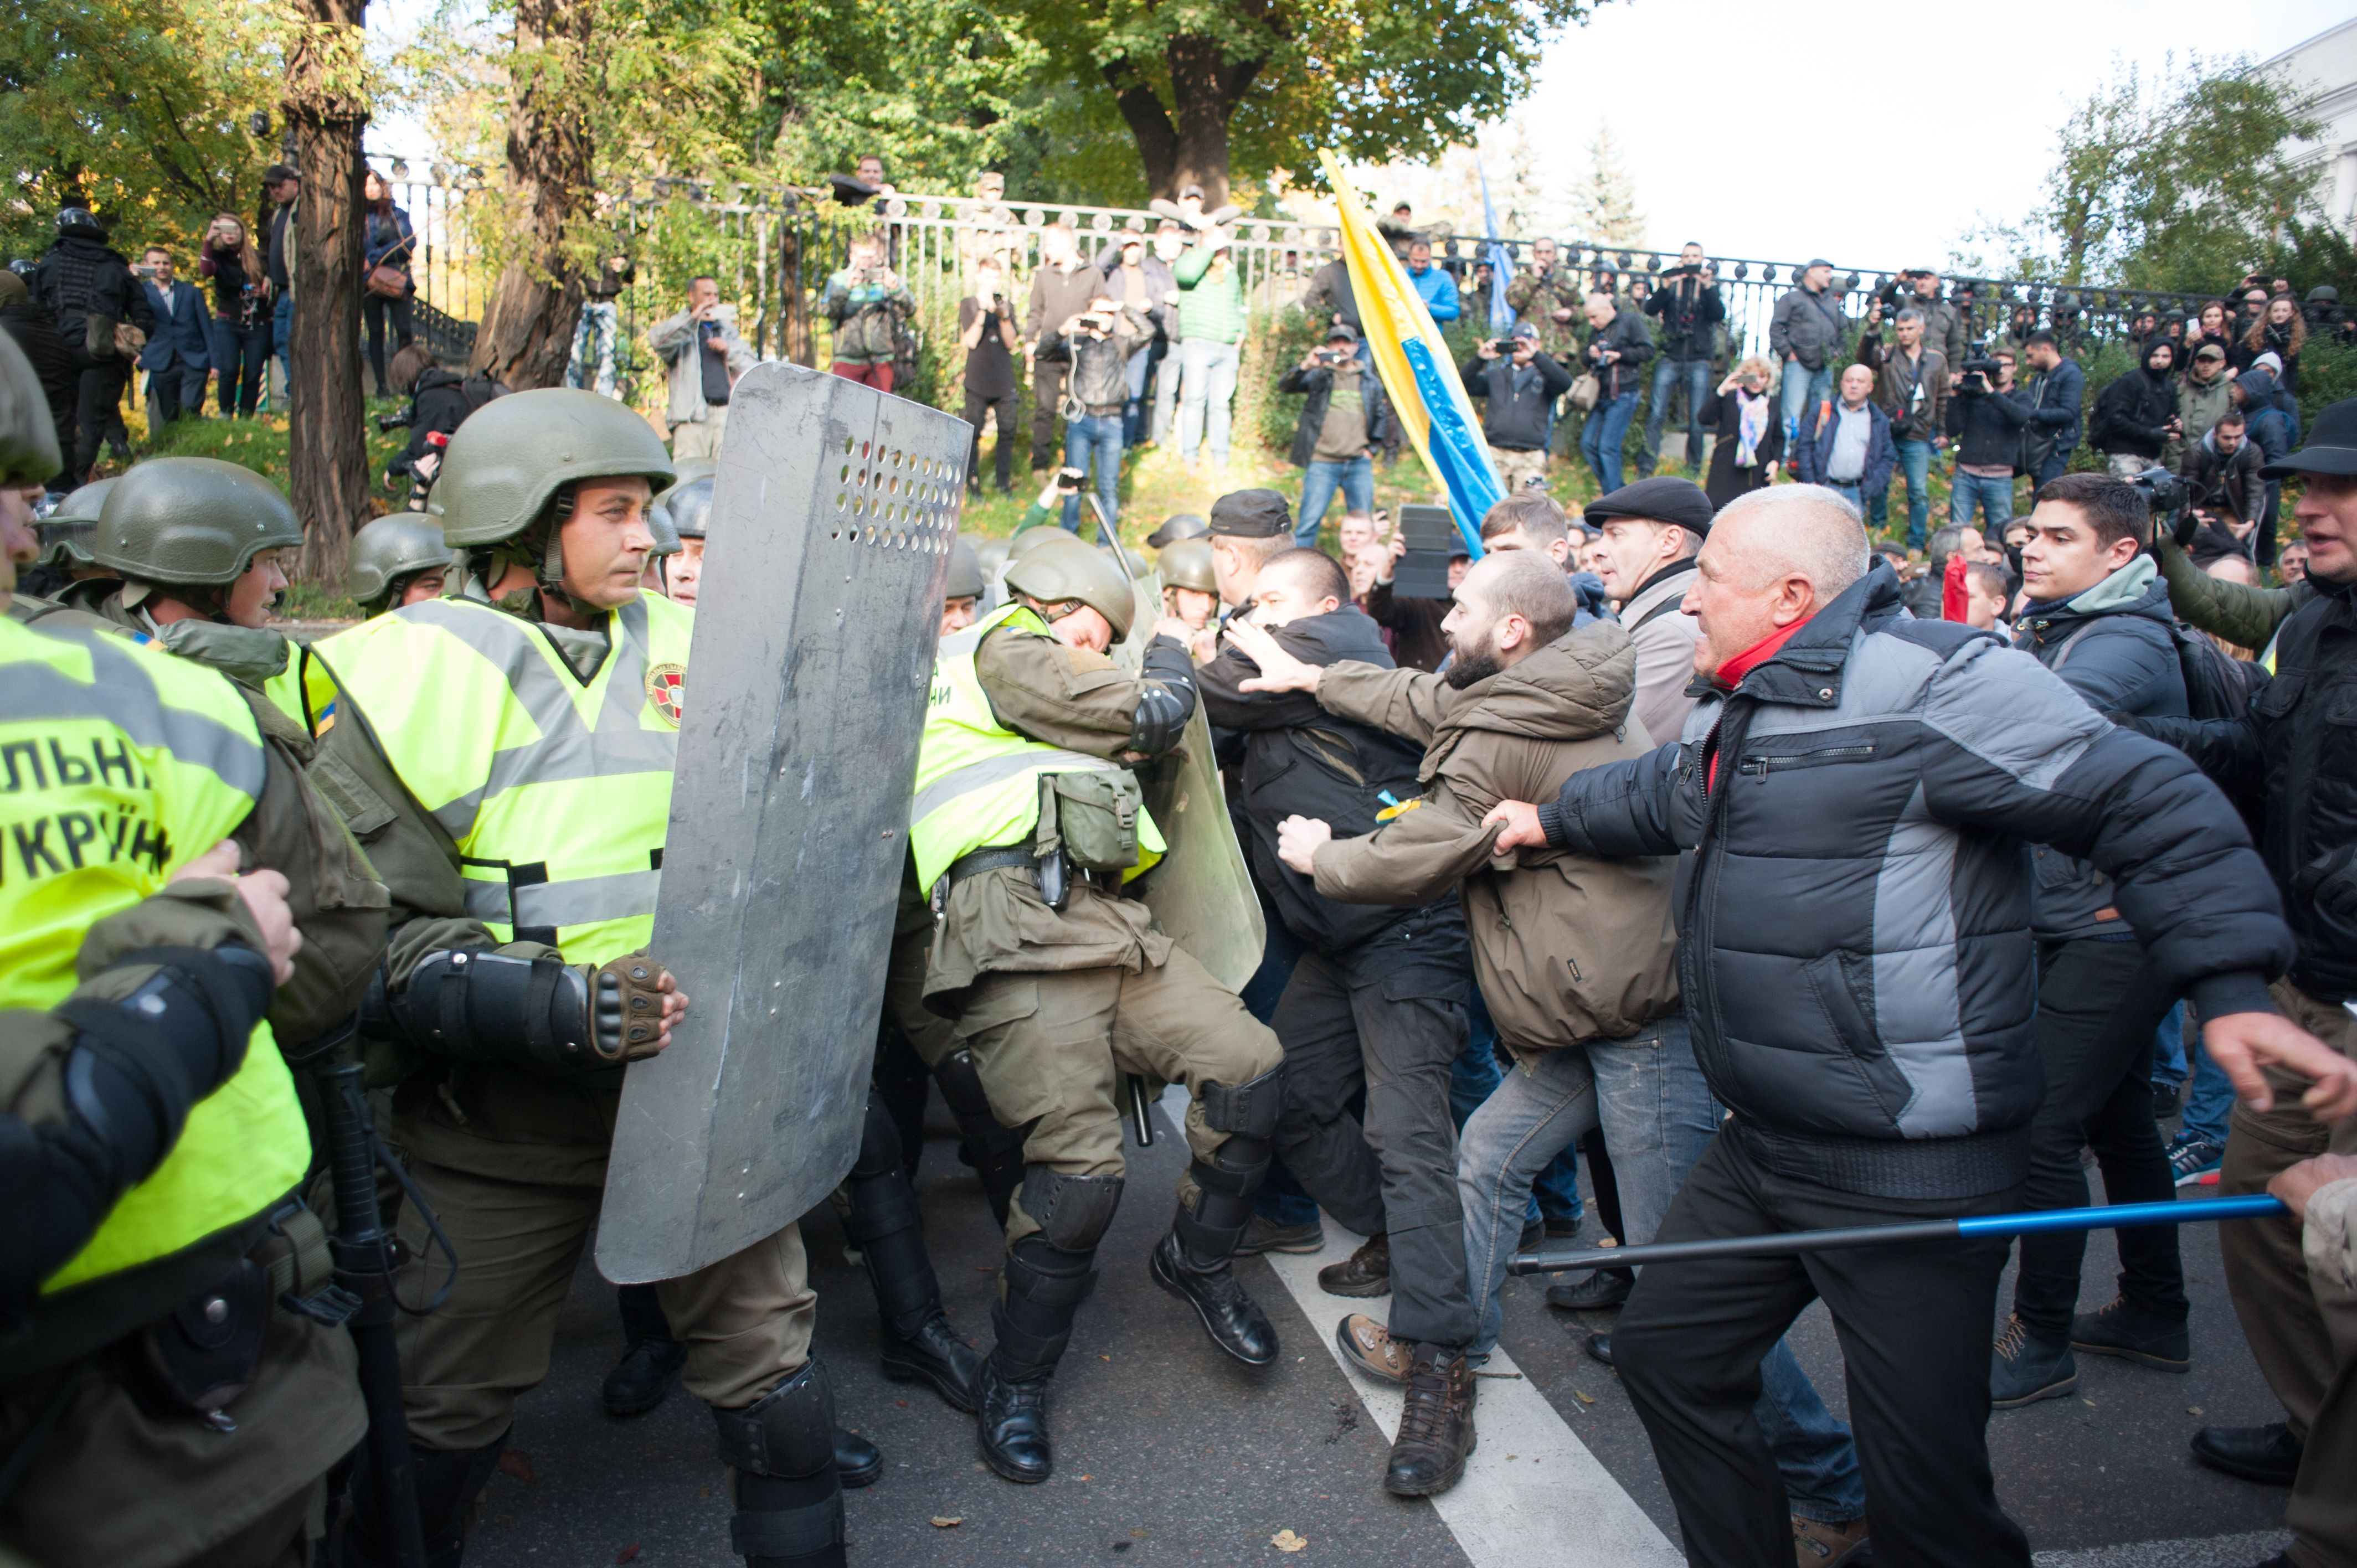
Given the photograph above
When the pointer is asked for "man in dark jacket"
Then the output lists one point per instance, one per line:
(2220, 470)
(1520, 387)
(1875, 1053)
(1910, 386)
(86, 286)
(2295, 749)
(2268, 426)
(1985, 414)
(2135, 414)
(2097, 615)
(1619, 344)
(1344, 418)
(1804, 334)
(1689, 309)
(178, 355)
(1376, 1005)
(1845, 444)
(2057, 389)
(52, 361)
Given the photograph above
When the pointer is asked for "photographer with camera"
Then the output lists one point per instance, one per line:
(1143, 280)
(1519, 384)
(1061, 287)
(1944, 327)
(867, 301)
(1098, 343)
(1690, 310)
(2220, 471)
(987, 333)
(706, 355)
(1986, 416)
(1911, 385)
(1344, 418)
(1619, 344)
(1550, 296)
(228, 259)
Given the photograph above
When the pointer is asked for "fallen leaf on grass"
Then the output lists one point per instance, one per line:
(628, 1555)
(1286, 1540)
(517, 1463)
(948, 1521)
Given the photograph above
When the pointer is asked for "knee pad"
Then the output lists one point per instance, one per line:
(787, 1433)
(1250, 1108)
(1072, 1211)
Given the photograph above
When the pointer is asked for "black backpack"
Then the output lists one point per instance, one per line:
(2217, 684)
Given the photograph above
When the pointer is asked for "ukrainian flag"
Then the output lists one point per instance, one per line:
(1418, 370)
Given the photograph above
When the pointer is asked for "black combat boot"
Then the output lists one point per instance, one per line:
(448, 1481)
(1436, 1429)
(1041, 1289)
(994, 1149)
(857, 1462)
(920, 1346)
(1196, 1261)
(651, 1359)
(782, 1455)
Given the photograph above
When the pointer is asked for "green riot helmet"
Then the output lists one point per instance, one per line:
(505, 463)
(28, 436)
(991, 554)
(1188, 565)
(1064, 570)
(191, 522)
(66, 533)
(689, 504)
(965, 573)
(659, 523)
(687, 470)
(393, 548)
(1031, 538)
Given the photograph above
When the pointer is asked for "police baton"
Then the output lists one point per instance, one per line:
(2257, 1206)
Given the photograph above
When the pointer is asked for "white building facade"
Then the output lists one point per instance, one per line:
(2326, 66)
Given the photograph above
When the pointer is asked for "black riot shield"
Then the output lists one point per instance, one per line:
(831, 518)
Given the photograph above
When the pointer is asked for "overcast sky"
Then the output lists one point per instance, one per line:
(1921, 116)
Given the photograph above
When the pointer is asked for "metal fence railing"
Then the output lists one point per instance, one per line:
(775, 247)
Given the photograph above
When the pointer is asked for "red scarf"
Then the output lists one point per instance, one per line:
(1731, 673)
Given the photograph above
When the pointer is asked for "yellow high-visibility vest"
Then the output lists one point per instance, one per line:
(556, 790)
(118, 765)
(978, 781)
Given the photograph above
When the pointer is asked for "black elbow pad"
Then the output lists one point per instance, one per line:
(1165, 700)
(137, 1067)
(487, 1007)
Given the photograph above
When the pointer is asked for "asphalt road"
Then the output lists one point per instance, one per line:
(1170, 1453)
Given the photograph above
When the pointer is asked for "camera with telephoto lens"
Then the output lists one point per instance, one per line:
(1978, 371)
(399, 419)
(2165, 494)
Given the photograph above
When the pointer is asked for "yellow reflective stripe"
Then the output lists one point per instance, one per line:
(990, 771)
(123, 693)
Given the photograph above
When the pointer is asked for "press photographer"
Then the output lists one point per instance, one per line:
(1344, 418)
(1986, 416)
(1520, 385)
(1098, 342)
(867, 301)
(1910, 386)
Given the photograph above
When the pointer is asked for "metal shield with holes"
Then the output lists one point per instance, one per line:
(799, 714)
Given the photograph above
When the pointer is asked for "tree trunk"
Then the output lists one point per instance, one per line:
(327, 438)
(1190, 148)
(526, 337)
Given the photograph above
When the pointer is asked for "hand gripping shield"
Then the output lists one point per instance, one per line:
(833, 511)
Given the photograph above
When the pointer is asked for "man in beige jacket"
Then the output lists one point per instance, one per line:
(1652, 531)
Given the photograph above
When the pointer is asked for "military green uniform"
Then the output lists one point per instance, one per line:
(510, 780)
(1537, 297)
(1056, 1005)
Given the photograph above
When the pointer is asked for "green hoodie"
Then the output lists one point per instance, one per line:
(1210, 306)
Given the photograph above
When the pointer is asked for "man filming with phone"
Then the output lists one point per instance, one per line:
(1520, 384)
(1098, 343)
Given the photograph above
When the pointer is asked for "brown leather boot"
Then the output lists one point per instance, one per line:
(1365, 1272)
(1819, 1545)
(1436, 1429)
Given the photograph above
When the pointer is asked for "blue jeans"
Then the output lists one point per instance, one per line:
(1803, 389)
(2212, 1096)
(1473, 1076)
(1669, 376)
(282, 333)
(1207, 384)
(1915, 464)
(2168, 1048)
(592, 365)
(242, 355)
(1165, 389)
(1095, 436)
(1657, 1116)
(1134, 411)
(1354, 476)
(1601, 435)
(1648, 1093)
(1993, 498)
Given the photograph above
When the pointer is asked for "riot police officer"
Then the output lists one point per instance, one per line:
(86, 286)
(64, 557)
(505, 753)
(961, 593)
(1025, 825)
(396, 559)
(164, 1395)
(687, 506)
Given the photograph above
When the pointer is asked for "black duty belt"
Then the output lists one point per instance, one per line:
(990, 857)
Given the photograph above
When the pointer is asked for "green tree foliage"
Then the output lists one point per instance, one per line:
(2179, 183)
(141, 110)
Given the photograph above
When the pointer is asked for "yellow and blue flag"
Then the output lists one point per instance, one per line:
(1418, 370)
